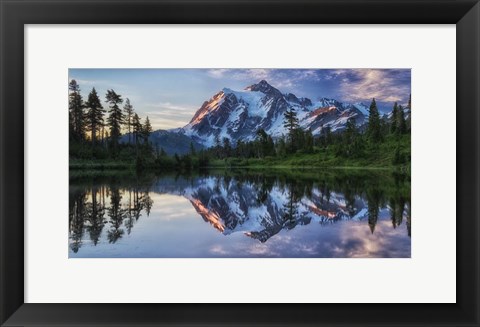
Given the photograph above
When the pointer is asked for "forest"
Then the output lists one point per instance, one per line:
(118, 138)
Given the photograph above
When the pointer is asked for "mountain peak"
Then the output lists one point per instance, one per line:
(263, 87)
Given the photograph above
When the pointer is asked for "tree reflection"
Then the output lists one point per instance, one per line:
(397, 209)
(89, 211)
(409, 222)
(77, 206)
(129, 222)
(260, 205)
(137, 202)
(116, 214)
(290, 210)
(94, 216)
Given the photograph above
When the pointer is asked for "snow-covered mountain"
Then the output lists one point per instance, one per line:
(406, 112)
(240, 114)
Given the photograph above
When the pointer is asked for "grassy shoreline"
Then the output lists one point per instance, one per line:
(127, 168)
(100, 165)
(381, 157)
(305, 162)
(108, 165)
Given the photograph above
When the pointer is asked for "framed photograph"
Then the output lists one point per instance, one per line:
(240, 163)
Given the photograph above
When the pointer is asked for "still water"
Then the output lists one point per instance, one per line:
(241, 214)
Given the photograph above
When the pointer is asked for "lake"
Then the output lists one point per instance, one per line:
(310, 213)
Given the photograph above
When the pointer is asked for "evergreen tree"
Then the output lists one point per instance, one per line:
(393, 119)
(281, 148)
(409, 118)
(240, 149)
(262, 135)
(397, 157)
(217, 146)
(309, 140)
(103, 135)
(146, 130)
(128, 108)
(374, 125)
(116, 117)
(291, 120)
(270, 147)
(227, 149)
(137, 129)
(291, 124)
(298, 139)
(203, 159)
(106, 138)
(192, 149)
(266, 146)
(351, 143)
(71, 124)
(328, 135)
(402, 125)
(76, 111)
(94, 115)
(384, 125)
(350, 131)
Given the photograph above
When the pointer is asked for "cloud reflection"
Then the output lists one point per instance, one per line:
(218, 216)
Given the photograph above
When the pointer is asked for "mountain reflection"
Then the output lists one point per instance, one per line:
(259, 205)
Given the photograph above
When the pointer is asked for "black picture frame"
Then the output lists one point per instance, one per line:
(15, 14)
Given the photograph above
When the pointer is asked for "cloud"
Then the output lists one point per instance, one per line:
(217, 73)
(84, 81)
(240, 74)
(352, 85)
(168, 115)
(170, 207)
(170, 106)
(249, 74)
(288, 79)
(98, 83)
(307, 75)
(217, 249)
(386, 85)
(160, 121)
(357, 241)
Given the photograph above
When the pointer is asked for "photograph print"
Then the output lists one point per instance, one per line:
(239, 163)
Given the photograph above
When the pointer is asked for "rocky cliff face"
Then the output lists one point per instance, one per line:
(240, 114)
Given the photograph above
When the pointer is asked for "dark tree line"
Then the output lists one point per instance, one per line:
(96, 133)
(352, 142)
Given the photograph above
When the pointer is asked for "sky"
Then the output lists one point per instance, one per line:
(170, 97)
